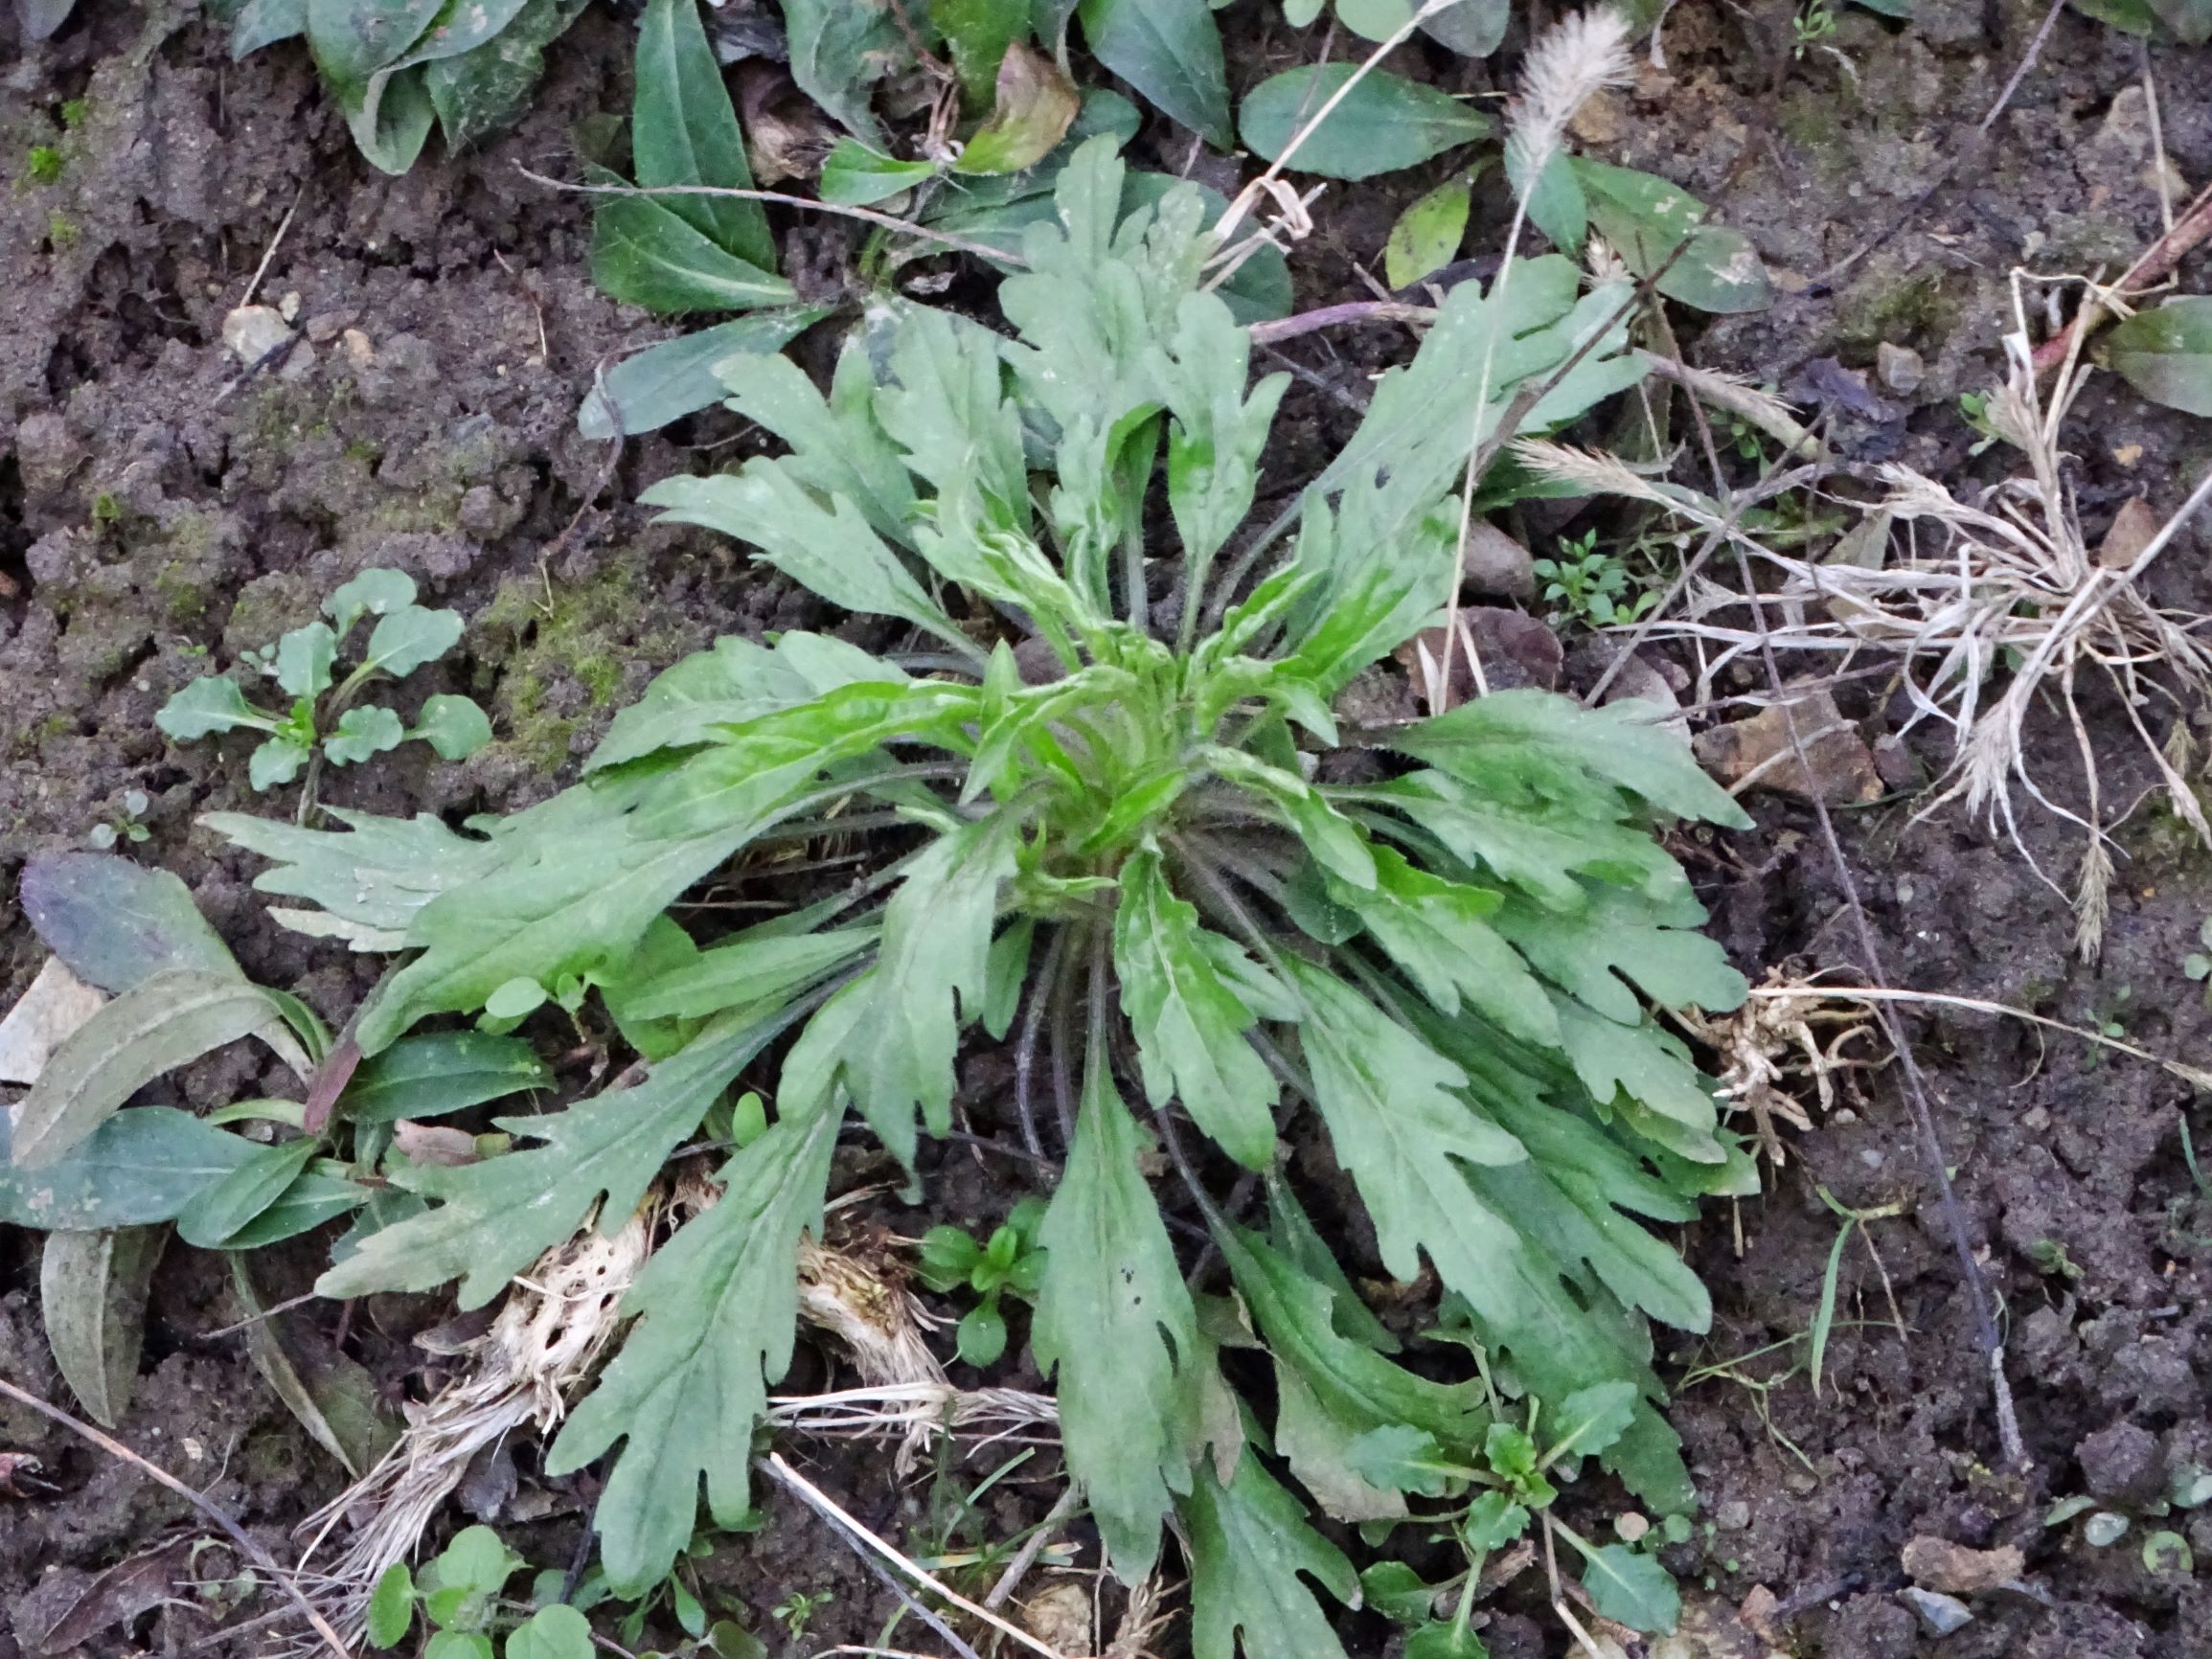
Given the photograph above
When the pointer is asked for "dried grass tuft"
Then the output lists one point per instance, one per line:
(1959, 586)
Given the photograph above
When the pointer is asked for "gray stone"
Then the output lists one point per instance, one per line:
(1939, 1614)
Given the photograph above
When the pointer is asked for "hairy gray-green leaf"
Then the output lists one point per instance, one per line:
(1115, 1322)
(716, 1309)
(928, 980)
(1190, 1024)
(493, 1218)
(1250, 1552)
(830, 549)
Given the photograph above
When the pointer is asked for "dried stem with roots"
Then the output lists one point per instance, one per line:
(2004, 579)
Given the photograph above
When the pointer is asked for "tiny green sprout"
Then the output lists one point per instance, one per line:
(74, 111)
(61, 230)
(796, 1611)
(320, 721)
(1813, 25)
(43, 164)
(2198, 964)
(107, 509)
(1974, 408)
(2052, 1260)
(1590, 587)
(123, 826)
(1009, 1261)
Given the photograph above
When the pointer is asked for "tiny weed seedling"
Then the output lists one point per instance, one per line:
(1974, 409)
(1011, 1261)
(458, 1597)
(1591, 587)
(2198, 964)
(1489, 1503)
(324, 718)
(797, 1611)
(121, 826)
(1812, 26)
(42, 164)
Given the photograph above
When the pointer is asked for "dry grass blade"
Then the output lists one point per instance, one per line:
(2004, 578)
(825, 1506)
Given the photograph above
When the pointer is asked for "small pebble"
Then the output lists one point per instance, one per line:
(251, 332)
(1939, 1614)
(1900, 367)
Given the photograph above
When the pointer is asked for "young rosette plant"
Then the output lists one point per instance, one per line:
(324, 715)
(1008, 1262)
(1122, 825)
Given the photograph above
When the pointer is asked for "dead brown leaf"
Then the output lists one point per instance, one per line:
(1758, 753)
(2133, 527)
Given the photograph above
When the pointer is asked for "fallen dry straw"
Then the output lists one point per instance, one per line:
(1958, 588)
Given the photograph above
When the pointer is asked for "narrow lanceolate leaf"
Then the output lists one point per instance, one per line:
(677, 376)
(1171, 52)
(92, 1296)
(142, 1165)
(493, 1218)
(1249, 1545)
(1115, 1320)
(684, 131)
(716, 1309)
(1383, 124)
(158, 1024)
(929, 979)
(643, 252)
(212, 1219)
(1190, 1024)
